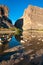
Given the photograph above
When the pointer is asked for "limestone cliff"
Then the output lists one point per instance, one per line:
(5, 22)
(33, 18)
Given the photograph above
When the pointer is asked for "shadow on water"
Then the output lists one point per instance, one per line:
(6, 56)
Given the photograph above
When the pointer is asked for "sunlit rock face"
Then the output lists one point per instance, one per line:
(33, 18)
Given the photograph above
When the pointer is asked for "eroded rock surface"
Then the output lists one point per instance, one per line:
(5, 22)
(32, 20)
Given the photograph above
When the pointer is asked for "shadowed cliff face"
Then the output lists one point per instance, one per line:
(19, 24)
(2, 25)
(5, 22)
(3, 10)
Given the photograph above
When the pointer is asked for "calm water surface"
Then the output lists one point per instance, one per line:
(12, 43)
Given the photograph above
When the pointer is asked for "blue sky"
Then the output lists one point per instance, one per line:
(17, 7)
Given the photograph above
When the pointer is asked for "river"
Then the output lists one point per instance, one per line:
(12, 43)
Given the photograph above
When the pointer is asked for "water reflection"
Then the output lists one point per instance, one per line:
(19, 24)
(13, 42)
(6, 45)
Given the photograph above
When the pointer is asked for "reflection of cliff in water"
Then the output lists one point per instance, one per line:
(6, 45)
(19, 24)
(6, 23)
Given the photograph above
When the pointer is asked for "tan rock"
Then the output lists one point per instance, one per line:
(32, 19)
